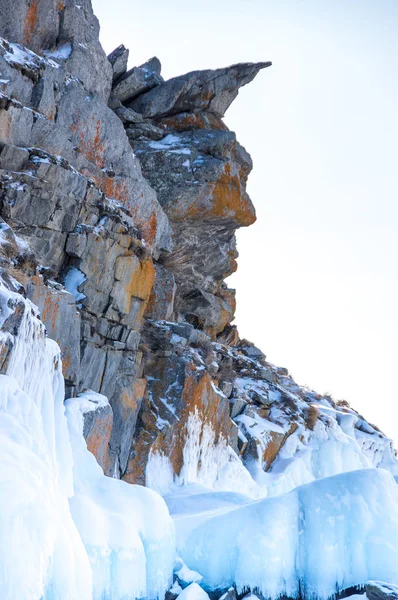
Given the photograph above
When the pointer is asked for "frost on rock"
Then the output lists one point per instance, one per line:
(208, 462)
(81, 535)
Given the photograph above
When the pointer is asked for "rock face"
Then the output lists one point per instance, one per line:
(120, 196)
(378, 590)
(210, 91)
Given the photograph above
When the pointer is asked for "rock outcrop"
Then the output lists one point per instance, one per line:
(378, 590)
(120, 196)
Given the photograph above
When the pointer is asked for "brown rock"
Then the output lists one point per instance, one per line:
(161, 301)
(191, 392)
(97, 432)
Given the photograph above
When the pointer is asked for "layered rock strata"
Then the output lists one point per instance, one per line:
(120, 196)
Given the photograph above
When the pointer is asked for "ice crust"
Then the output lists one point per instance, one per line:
(316, 540)
(68, 532)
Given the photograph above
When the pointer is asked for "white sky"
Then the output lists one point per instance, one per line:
(317, 283)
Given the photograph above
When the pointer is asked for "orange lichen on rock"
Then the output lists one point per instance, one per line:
(30, 21)
(148, 228)
(275, 444)
(198, 397)
(141, 279)
(98, 437)
(92, 147)
(50, 312)
(187, 121)
(132, 288)
(227, 310)
(225, 199)
(112, 187)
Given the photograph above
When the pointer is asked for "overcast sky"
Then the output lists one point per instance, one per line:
(317, 286)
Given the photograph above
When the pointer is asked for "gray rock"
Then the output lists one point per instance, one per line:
(199, 177)
(115, 103)
(133, 340)
(250, 350)
(145, 130)
(210, 312)
(87, 61)
(161, 301)
(268, 375)
(152, 65)
(182, 329)
(52, 25)
(62, 321)
(237, 406)
(209, 90)
(92, 367)
(135, 82)
(226, 387)
(97, 430)
(378, 590)
(12, 157)
(230, 594)
(33, 24)
(199, 339)
(262, 399)
(126, 406)
(128, 115)
(119, 59)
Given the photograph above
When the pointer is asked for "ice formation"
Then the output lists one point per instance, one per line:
(314, 541)
(81, 535)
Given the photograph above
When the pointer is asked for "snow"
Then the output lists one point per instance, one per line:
(329, 535)
(193, 592)
(17, 54)
(126, 530)
(185, 574)
(88, 401)
(3, 227)
(8, 300)
(62, 52)
(73, 279)
(181, 151)
(171, 143)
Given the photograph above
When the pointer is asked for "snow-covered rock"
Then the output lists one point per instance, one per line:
(193, 592)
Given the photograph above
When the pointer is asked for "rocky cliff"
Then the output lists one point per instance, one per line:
(120, 196)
